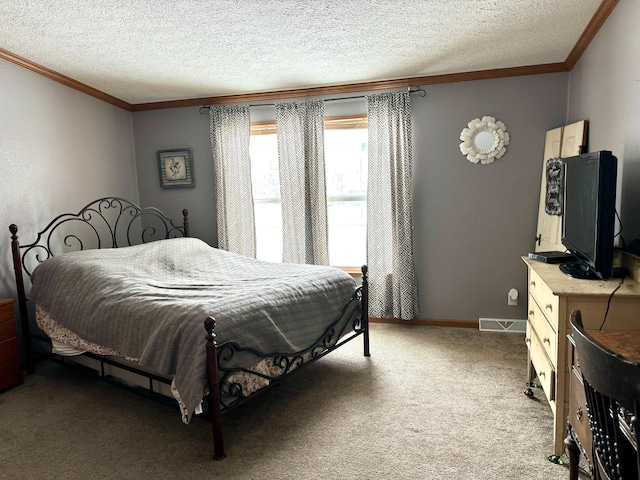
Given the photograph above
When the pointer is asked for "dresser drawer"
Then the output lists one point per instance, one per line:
(544, 369)
(10, 374)
(9, 350)
(578, 417)
(7, 329)
(545, 332)
(10, 368)
(6, 310)
(548, 302)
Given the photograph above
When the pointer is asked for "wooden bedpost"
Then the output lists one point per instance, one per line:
(185, 222)
(22, 299)
(365, 309)
(214, 389)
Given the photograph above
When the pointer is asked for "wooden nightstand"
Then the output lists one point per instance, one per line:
(10, 369)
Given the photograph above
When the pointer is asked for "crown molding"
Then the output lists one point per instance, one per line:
(596, 22)
(63, 79)
(356, 87)
(592, 28)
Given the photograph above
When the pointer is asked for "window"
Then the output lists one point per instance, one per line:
(263, 150)
(345, 145)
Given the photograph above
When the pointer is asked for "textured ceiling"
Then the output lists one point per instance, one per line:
(160, 50)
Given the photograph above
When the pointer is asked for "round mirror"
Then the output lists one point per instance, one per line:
(484, 140)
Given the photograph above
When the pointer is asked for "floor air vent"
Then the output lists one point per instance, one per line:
(502, 325)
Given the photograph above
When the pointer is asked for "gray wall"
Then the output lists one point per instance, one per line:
(472, 222)
(605, 89)
(60, 149)
(167, 130)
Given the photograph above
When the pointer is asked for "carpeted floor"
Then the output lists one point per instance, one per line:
(430, 403)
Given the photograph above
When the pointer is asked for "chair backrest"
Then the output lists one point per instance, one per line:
(612, 387)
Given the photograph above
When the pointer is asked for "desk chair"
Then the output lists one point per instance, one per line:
(612, 386)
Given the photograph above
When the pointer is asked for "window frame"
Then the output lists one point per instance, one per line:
(341, 122)
(338, 122)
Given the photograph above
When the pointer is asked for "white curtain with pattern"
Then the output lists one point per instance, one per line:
(392, 282)
(230, 127)
(300, 127)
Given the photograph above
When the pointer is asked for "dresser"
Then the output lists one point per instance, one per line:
(552, 296)
(10, 369)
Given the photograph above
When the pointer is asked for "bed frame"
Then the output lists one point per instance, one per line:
(113, 222)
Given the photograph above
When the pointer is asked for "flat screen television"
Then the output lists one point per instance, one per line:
(588, 213)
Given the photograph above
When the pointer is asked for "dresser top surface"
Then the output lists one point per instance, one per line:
(563, 285)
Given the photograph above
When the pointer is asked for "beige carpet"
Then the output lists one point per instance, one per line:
(430, 403)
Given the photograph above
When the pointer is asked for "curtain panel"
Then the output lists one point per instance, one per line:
(230, 127)
(300, 127)
(392, 282)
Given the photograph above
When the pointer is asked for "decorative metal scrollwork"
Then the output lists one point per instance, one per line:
(106, 222)
(238, 383)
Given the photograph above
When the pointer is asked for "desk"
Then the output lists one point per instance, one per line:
(625, 343)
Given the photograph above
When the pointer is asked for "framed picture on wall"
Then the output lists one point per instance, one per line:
(176, 168)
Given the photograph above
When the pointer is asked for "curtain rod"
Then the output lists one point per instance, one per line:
(417, 89)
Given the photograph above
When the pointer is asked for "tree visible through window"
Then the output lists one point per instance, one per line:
(345, 145)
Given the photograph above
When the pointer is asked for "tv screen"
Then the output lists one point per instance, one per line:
(588, 213)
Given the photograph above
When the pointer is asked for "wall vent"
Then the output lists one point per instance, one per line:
(502, 325)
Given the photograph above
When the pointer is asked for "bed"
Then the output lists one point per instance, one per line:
(129, 287)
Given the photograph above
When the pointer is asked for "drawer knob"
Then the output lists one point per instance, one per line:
(532, 283)
(542, 374)
(579, 413)
(546, 340)
(549, 306)
(527, 340)
(531, 313)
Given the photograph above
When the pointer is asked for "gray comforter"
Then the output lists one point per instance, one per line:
(148, 302)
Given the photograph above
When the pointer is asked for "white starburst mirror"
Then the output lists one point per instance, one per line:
(484, 140)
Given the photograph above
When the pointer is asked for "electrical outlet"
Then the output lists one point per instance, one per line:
(512, 297)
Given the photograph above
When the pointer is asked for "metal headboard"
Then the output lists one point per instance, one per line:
(109, 222)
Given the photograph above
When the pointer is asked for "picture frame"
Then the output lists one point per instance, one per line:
(176, 168)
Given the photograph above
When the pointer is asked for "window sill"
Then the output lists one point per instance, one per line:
(353, 271)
